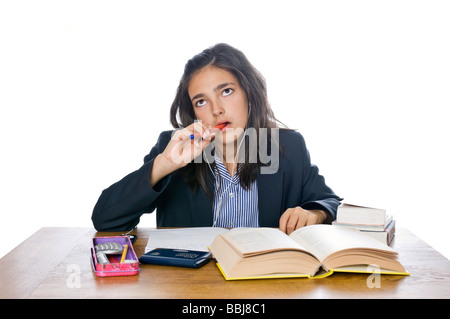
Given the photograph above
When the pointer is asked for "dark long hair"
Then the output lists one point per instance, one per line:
(251, 81)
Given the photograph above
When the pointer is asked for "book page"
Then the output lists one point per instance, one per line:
(192, 238)
(323, 240)
(256, 240)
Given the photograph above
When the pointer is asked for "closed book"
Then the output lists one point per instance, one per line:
(374, 228)
(361, 215)
(176, 257)
(381, 233)
(384, 236)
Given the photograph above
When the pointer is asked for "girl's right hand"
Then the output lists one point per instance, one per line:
(181, 150)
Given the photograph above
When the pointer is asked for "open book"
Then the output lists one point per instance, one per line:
(253, 253)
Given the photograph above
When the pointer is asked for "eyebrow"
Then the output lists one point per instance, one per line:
(217, 88)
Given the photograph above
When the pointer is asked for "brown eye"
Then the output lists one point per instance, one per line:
(227, 92)
(200, 103)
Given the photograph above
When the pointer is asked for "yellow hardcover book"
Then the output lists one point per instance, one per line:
(315, 251)
(368, 269)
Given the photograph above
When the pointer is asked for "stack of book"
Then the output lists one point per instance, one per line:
(374, 222)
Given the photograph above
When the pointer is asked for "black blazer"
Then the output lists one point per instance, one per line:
(296, 183)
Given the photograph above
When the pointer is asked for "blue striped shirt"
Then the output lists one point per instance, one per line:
(233, 205)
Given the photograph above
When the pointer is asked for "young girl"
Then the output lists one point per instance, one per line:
(227, 164)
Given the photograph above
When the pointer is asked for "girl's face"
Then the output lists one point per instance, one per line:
(218, 98)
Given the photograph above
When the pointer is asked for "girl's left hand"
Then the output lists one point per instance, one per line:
(295, 218)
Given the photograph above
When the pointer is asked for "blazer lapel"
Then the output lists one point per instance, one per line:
(270, 191)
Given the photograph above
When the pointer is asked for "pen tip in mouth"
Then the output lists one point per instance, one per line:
(222, 125)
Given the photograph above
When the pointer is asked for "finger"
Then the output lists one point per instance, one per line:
(206, 142)
(199, 127)
(175, 152)
(292, 220)
(291, 224)
(209, 133)
(199, 131)
(283, 220)
(182, 134)
(177, 134)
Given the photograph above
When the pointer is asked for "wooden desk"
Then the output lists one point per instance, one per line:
(55, 263)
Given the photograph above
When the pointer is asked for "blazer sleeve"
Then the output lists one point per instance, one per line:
(121, 205)
(315, 193)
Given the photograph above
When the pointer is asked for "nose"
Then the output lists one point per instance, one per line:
(217, 108)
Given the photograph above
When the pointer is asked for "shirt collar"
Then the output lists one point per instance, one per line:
(224, 174)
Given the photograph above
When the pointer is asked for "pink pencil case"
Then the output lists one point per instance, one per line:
(115, 268)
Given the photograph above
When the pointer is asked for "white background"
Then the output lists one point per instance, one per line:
(86, 86)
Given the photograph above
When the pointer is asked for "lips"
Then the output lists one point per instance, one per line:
(223, 125)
